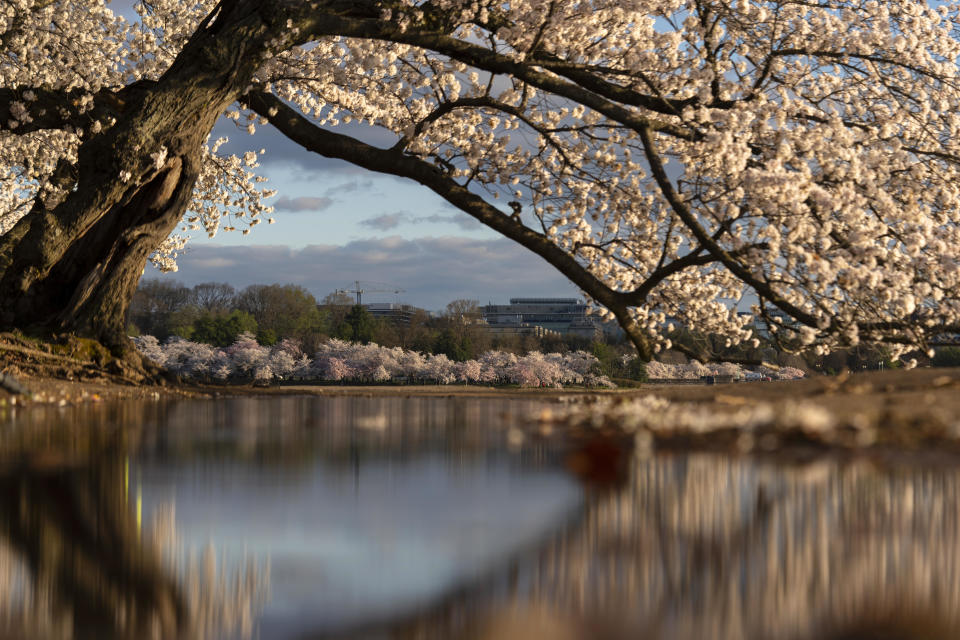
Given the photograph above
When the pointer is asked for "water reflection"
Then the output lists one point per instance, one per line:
(707, 546)
(76, 559)
(267, 517)
(347, 550)
(413, 518)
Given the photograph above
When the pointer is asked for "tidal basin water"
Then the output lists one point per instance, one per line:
(406, 517)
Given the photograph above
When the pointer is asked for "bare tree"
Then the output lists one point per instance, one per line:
(214, 296)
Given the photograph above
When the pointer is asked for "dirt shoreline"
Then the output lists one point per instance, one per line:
(876, 413)
(918, 409)
(74, 371)
(911, 391)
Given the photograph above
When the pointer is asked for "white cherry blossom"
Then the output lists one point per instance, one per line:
(675, 158)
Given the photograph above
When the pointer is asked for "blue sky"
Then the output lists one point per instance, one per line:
(337, 223)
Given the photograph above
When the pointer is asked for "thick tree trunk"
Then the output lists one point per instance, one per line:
(88, 289)
(73, 265)
(108, 263)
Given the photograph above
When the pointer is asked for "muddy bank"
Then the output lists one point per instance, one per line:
(865, 390)
(915, 409)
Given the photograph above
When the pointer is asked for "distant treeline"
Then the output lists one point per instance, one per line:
(215, 313)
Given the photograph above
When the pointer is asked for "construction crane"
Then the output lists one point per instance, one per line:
(358, 291)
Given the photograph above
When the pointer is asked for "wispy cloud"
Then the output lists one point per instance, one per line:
(386, 221)
(389, 221)
(303, 203)
(353, 186)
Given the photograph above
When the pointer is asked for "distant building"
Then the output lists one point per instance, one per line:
(395, 312)
(565, 316)
(523, 329)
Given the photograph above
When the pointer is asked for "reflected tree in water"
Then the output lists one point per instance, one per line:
(678, 546)
(83, 548)
(707, 546)
(75, 563)
(736, 548)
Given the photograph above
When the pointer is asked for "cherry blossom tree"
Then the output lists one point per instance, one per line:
(470, 371)
(337, 370)
(249, 358)
(670, 157)
(695, 370)
(150, 347)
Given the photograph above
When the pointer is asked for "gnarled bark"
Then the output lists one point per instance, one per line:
(72, 265)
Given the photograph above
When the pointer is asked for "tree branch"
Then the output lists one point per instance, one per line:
(722, 255)
(695, 258)
(481, 58)
(393, 162)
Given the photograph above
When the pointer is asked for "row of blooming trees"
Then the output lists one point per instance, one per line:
(694, 370)
(339, 361)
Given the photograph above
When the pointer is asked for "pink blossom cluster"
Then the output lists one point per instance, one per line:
(244, 359)
(695, 370)
(341, 361)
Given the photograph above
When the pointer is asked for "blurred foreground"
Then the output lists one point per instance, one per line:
(391, 517)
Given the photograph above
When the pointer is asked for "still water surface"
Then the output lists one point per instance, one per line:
(296, 517)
